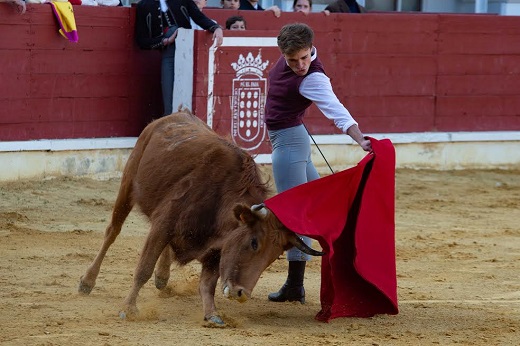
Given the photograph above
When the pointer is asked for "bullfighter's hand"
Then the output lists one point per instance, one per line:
(355, 133)
(366, 145)
(218, 35)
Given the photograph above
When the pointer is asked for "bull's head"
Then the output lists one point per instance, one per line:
(257, 242)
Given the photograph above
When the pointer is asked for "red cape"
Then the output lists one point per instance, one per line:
(351, 214)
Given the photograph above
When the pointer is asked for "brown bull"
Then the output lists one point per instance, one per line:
(197, 189)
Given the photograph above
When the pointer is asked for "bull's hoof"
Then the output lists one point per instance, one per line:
(84, 288)
(129, 312)
(160, 283)
(215, 321)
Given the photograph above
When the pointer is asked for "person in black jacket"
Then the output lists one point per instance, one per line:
(156, 27)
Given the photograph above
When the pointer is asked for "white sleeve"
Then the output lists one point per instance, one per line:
(317, 88)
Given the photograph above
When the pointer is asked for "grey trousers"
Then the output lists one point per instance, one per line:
(292, 166)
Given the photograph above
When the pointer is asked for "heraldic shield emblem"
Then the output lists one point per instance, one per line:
(248, 101)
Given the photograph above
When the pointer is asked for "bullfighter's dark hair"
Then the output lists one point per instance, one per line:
(295, 37)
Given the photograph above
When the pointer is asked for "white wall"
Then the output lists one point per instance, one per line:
(105, 157)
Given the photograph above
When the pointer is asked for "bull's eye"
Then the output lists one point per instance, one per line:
(254, 244)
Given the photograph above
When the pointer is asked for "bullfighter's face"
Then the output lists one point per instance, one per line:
(300, 61)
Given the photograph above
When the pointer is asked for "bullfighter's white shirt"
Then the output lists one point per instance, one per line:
(317, 88)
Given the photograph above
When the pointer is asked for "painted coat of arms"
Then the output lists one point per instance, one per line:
(248, 101)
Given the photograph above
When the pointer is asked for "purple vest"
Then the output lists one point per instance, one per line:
(285, 106)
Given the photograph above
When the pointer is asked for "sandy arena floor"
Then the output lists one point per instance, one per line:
(458, 263)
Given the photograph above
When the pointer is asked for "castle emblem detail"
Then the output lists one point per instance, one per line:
(248, 101)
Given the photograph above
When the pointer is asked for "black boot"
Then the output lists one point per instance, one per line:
(292, 290)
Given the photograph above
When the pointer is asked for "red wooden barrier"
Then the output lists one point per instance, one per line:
(102, 86)
(394, 72)
(404, 72)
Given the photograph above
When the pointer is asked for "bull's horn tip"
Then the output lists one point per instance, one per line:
(257, 207)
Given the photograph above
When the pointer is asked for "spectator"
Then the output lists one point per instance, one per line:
(304, 6)
(236, 23)
(156, 28)
(254, 5)
(230, 4)
(296, 81)
(344, 6)
(20, 4)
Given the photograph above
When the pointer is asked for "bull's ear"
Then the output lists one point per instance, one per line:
(244, 214)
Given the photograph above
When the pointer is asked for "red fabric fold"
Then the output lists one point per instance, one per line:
(351, 214)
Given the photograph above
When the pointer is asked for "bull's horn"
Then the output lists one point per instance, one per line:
(256, 207)
(259, 209)
(300, 244)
